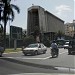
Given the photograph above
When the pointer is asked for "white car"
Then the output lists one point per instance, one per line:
(35, 49)
(66, 45)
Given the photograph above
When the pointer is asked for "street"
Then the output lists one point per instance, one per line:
(63, 64)
(63, 59)
(8, 68)
(28, 31)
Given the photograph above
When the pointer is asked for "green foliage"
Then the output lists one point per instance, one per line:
(1, 28)
(59, 34)
(7, 13)
(12, 50)
(46, 42)
(28, 40)
(1, 34)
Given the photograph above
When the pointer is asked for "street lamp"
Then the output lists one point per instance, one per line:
(9, 33)
(9, 30)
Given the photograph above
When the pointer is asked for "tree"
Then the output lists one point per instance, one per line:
(1, 34)
(7, 13)
(59, 34)
(28, 40)
(36, 34)
(1, 28)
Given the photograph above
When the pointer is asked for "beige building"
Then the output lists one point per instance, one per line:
(47, 23)
(70, 29)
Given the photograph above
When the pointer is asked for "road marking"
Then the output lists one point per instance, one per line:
(63, 52)
(33, 58)
(36, 74)
(51, 56)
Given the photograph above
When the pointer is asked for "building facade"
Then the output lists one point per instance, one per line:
(44, 22)
(70, 29)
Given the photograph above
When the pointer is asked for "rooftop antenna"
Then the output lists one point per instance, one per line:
(32, 4)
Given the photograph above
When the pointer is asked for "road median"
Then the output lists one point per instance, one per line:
(11, 50)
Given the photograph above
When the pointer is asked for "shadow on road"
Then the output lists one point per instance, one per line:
(29, 64)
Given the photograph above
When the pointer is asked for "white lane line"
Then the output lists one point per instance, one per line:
(51, 56)
(63, 52)
(33, 58)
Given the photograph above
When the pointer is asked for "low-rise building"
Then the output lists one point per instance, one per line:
(70, 29)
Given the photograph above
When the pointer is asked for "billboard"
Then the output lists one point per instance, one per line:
(15, 32)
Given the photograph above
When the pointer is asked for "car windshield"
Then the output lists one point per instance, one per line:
(32, 45)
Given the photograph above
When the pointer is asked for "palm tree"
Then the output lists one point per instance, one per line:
(7, 13)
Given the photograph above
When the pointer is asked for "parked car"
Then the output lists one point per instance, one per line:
(66, 45)
(71, 48)
(1, 51)
(34, 49)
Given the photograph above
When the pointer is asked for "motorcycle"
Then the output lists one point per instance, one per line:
(54, 53)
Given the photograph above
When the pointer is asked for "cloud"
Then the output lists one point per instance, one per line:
(61, 9)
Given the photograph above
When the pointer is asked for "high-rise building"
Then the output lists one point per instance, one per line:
(46, 23)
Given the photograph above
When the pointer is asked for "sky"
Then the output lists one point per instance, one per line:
(64, 9)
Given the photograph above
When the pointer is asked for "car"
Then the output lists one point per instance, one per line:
(71, 49)
(66, 45)
(1, 50)
(34, 49)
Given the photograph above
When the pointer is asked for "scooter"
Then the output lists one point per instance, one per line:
(54, 53)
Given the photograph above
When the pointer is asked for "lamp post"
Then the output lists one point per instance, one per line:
(9, 30)
(9, 33)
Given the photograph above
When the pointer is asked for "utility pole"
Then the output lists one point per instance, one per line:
(9, 33)
(0, 15)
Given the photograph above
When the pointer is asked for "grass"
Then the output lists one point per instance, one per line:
(12, 50)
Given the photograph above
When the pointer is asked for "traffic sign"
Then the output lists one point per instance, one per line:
(15, 32)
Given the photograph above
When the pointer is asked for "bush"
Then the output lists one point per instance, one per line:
(46, 42)
(28, 40)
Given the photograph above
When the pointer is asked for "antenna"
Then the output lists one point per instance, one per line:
(32, 4)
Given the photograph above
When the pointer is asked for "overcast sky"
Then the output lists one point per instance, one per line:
(64, 9)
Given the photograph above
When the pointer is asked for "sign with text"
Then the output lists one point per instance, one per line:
(15, 32)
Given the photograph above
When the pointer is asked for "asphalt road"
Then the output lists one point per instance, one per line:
(63, 60)
(10, 68)
(21, 55)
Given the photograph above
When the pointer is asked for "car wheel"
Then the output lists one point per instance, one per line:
(0, 54)
(25, 54)
(44, 52)
(69, 52)
(36, 53)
